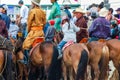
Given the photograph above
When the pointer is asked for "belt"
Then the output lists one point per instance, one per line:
(37, 28)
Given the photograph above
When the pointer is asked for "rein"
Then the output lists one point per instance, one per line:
(5, 64)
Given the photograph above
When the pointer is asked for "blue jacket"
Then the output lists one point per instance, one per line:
(7, 20)
(100, 28)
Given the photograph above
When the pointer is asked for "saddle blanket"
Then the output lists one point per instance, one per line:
(67, 44)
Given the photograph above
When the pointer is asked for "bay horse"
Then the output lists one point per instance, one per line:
(44, 56)
(6, 49)
(75, 60)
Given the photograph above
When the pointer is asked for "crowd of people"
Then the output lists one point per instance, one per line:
(97, 23)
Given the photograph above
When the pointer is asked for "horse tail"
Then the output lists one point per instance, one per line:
(55, 69)
(82, 65)
(104, 62)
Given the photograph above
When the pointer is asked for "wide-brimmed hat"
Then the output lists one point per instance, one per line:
(118, 9)
(37, 2)
(80, 10)
(103, 12)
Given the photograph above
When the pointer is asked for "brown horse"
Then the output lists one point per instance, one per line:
(45, 55)
(6, 49)
(114, 49)
(17, 56)
(99, 60)
(75, 60)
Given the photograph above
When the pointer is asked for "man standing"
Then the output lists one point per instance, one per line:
(82, 23)
(23, 17)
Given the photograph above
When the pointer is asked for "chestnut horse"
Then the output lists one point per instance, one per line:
(114, 49)
(98, 60)
(6, 49)
(75, 60)
(44, 56)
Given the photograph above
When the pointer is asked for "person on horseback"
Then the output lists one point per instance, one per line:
(100, 28)
(36, 21)
(3, 27)
(69, 30)
(49, 36)
(55, 14)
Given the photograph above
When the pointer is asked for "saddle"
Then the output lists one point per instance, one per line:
(67, 44)
(37, 40)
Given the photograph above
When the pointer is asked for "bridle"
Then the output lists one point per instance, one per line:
(2, 45)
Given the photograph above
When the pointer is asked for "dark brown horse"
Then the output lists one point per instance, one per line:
(44, 55)
(17, 57)
(6, 49)
(75, 60)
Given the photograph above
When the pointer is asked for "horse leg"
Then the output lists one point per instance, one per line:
(20, 66)
(95, 67)
(64, 71)
(26, 72)
(71, 73)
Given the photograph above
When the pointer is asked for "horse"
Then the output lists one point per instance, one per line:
(18, 55)
(6, 49)
(75, 60)
(44, 56)
(98, 60)
(114, 47)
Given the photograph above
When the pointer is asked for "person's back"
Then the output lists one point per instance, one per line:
(101, 28)
(3, 29)
(50, 31)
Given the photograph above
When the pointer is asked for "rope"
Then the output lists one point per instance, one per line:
(5, 63)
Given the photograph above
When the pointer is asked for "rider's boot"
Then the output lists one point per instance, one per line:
(60, 53)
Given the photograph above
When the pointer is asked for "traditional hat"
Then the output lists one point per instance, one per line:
(103, 12)
(52, 22)
(80, 10)
(37, 2)
(118, 9)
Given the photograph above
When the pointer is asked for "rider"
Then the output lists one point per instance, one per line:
(55, 14)
(100, 28)
(69, 30)
(36, 21)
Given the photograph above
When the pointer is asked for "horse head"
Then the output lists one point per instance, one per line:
(5, 44)
(17, 43)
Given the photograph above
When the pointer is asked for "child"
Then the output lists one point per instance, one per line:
(69, 30)
(13, 30)
(50, 31)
